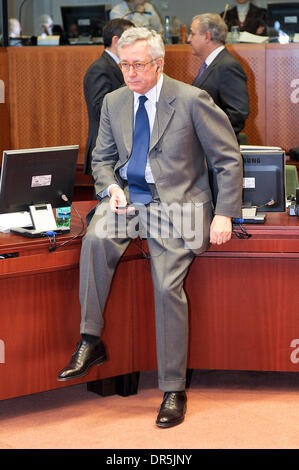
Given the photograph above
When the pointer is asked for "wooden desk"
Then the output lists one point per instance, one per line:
(244, 308)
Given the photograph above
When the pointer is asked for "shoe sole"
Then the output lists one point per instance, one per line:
(97, 362)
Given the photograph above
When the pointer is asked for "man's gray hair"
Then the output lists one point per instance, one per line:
(131, 35)
(213, 23)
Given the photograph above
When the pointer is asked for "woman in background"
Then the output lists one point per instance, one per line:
(247, 16)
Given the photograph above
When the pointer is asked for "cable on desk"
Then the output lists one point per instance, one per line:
(242, 234)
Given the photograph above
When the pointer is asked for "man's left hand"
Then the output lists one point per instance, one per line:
(220, 230)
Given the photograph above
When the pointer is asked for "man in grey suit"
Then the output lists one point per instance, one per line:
(221, 75)
(102, 77)
(173, 126)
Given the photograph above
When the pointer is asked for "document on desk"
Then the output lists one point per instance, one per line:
(14, 219)
(252, 38)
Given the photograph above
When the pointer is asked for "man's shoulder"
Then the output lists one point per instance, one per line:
(120, 94)
(226, 60)
(257, 10)
(103, 65)
(103, 61)
(182, 92)
(171, 85)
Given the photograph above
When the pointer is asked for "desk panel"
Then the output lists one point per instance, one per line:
(243, 299)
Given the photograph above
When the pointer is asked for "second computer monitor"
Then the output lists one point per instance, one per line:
(286, 14)
(84, 21)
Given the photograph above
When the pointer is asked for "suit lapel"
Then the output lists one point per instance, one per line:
(126, 120)
(164, 113)
(210, 68)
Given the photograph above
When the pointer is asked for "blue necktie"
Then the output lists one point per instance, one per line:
(201, 71)
(139, 189)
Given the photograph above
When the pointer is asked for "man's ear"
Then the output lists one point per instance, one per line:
(114, 41)
(159, 63)
(208, 36)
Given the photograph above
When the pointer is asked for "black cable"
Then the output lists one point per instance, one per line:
(243, 234)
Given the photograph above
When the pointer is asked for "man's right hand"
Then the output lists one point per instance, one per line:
(118, 198)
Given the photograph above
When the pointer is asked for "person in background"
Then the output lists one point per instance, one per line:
(140, 12)
(47, 26)
(150, 153)
(14, 28)
(221, 75)
(247, 16)
(102, 77)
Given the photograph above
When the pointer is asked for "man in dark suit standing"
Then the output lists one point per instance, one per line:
(102, 77)
(221, 75)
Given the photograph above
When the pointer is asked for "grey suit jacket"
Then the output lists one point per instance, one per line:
(225, 80)
(188, 126)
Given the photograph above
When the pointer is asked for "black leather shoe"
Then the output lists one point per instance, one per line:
(85, 356)
(172, 410)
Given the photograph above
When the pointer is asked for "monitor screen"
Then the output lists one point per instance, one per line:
(84, 21)
(284, 16)
(263, 179)
(37, 176)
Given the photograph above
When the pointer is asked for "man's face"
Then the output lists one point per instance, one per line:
(197, 40)
(141, 81)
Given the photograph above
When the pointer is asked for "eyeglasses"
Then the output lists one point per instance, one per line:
(137, 66)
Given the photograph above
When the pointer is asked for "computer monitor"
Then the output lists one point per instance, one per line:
(264, 178)
(85, 21)
(263, 182)
(37, 180)
(286, 14)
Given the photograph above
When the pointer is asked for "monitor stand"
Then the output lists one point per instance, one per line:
(251, 216)
(43, 221)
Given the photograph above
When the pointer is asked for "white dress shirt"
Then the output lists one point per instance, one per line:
(150, 106)
(114, 57)
(213, 55)
(243, 9)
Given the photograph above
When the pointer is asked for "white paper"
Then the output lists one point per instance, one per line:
(14, 219)
(252, 38)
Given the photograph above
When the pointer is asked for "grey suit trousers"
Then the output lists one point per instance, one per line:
(170, 261)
